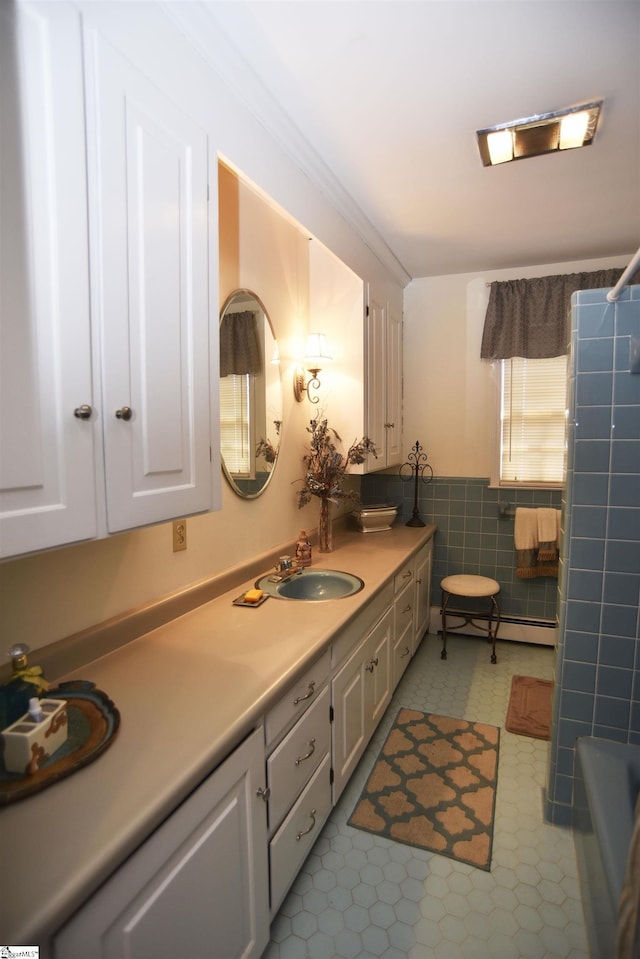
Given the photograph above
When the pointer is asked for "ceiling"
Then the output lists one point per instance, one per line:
(387, 96)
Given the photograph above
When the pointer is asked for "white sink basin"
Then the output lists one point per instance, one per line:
(312, 585)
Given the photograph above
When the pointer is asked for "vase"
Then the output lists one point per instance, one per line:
(325, 541)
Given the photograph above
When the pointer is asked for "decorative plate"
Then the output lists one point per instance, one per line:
(93, 722)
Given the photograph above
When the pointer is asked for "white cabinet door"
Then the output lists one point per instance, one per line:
(197, 888)
(423, 593)
(383, 382)
(375, 380)
(148, 173)
(350, 727)
(393, 368)
(361, 691)
(47, 482)
(379, 671)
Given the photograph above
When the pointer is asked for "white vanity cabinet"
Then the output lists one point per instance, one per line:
(383, 381)
(197, 887)
(298, 774)
(104, 419)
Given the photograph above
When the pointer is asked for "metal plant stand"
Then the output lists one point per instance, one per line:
(417, 463)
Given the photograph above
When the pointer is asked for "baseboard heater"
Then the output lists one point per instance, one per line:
(517, 629)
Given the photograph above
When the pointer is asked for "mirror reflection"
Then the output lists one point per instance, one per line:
(250, 394)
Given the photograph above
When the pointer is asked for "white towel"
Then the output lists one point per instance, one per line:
(548, 528)
(525, 528)
(548, 525)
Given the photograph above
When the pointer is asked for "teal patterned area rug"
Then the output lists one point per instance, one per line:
(434, 786)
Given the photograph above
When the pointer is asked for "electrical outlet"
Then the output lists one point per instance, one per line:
(179, 535)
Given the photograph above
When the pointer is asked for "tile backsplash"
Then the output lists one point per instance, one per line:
(473, 534)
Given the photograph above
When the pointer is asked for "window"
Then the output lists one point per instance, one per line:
(236, 424)
(532, 431)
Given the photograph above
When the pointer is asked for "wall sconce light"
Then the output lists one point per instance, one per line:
(315, 358)
(544, 133)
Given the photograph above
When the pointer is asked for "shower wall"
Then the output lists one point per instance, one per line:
(597, 683)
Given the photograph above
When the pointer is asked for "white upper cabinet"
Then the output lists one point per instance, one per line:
(47, 482)
(383, 381)
(104, 292)
(148, 171)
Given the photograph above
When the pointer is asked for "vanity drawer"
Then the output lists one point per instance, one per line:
(403, 577)
(297, 699)
(294, 840)
(291, 765)
(403, 610)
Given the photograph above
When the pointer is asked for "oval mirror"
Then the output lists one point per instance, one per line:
(250, 394)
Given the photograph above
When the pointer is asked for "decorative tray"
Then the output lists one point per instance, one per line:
(240, 601)
(93, 722)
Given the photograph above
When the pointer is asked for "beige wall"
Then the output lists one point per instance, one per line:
(449, 399)
(49, 596)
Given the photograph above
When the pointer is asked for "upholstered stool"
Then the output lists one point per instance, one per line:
(471, 587)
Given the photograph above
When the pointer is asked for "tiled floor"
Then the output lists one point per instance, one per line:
(359, 896)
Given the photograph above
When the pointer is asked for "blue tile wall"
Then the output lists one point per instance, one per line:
(598, 638)
(473, 536)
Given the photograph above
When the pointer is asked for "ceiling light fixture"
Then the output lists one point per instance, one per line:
(544, 133)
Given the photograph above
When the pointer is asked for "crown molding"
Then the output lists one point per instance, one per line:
(198, 23)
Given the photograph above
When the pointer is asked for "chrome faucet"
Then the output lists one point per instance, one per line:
(285, 569)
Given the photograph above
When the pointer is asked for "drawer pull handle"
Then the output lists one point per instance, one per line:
(305, 832)
(312, 748)
(309, 693)
(405, 652)
(263, 792)
(407, 608)
(371, 664)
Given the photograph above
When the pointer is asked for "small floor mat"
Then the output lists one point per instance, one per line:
(434, 786)
(530, 704)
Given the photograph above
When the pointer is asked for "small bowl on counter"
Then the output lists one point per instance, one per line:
(375, 518)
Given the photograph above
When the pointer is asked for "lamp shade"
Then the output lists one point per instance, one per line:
(316, 354)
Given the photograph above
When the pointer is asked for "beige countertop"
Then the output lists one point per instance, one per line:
(187, 692)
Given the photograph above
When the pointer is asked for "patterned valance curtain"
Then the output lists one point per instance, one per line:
(530, 318)
(239, 344)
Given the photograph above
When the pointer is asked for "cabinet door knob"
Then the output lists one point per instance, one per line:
(125, 413)
(405, 652)
(303, 832)
(389, 426)
(83, 412)
(263, 792)
(371, 664)
(312, 748)
(407, 608)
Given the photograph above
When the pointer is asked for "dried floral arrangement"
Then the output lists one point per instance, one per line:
(326, 467)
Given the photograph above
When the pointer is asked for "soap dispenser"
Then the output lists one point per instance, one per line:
(24, 683)
(303, 549)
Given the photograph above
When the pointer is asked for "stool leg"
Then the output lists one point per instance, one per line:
(445, 600)
(493, 630)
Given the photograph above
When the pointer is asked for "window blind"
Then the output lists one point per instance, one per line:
(235, 427)
(533, 421)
